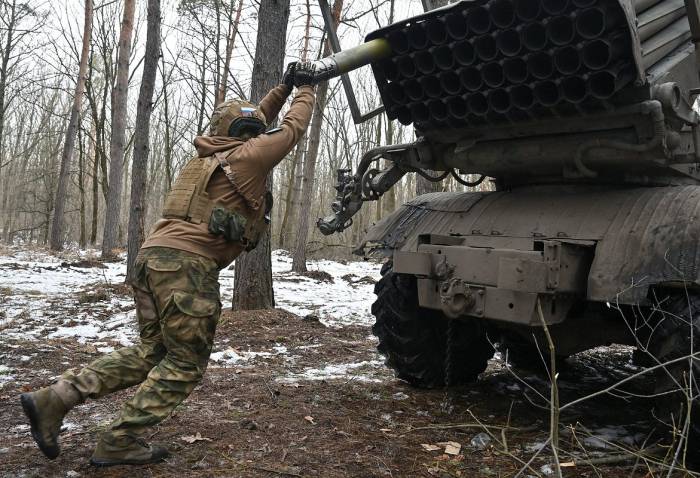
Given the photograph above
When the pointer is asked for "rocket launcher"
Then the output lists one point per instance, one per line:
(533, 90)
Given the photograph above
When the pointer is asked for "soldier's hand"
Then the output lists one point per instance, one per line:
(288, 78)
(304, 74)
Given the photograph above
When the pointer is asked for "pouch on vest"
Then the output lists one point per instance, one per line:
(230, 225)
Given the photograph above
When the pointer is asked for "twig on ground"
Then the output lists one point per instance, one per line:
(554, 396)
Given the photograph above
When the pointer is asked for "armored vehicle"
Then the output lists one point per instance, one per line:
(580, 114)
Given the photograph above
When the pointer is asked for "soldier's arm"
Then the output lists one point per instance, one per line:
(259, 155)
(273, 102)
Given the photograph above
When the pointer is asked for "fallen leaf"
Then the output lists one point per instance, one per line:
(310, 419)
(451, 447)
(428, 447)
(194, 438)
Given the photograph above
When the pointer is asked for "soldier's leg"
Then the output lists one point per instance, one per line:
(188, 334)
(127, 366)
(188, 328)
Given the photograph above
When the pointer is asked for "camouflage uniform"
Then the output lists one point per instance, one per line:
(177, 307)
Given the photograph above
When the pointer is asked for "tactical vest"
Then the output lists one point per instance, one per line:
(189, 201)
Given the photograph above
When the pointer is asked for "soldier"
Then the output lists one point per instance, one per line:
(217, 208)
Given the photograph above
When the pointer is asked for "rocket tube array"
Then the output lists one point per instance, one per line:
(508, 60)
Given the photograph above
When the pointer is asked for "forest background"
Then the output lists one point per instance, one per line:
(86, 160)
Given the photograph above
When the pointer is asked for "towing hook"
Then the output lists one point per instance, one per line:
(457, 298)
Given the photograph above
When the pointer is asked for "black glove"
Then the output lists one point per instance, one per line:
(288, 77)
(304, 74)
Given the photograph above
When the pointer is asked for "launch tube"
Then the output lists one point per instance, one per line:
(509, 42)
(515, 70)
(431, 86)
(574, 89)
(601, 52)
(493, 74)
(444, 59)
(522, 97)
(561, 30)
(528, 10)
(449, 81)
(547, 93)
(534, 36)
(425, 62)
(457, 107)
(456, 25)
(486, 47)
(417, 37)
(464, 52)
(502, 13)
(555, 7)
(351, 59)
(540, 65)
(479, 20)
(470, 77)
(413, 90)
(436, 31)
(477, 104)
(567, 59)
(593, 22)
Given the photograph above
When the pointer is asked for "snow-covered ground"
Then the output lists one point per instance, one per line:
(47, 296)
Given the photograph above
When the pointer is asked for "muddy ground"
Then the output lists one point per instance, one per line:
(257, 420)
(292, 397)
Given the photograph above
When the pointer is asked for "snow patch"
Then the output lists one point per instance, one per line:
(345, 371)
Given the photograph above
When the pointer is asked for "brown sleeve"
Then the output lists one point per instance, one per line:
(273, 102)
(253, 160)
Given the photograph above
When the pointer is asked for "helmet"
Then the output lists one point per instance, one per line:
(237, 118)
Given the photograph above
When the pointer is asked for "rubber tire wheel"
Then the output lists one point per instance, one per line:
(672, 340)
(414, 339)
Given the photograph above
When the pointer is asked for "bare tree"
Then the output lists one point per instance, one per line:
(57, 224)
(233, 23)
(142, 129)
(299, 258)
(117, 145)
(253, 277)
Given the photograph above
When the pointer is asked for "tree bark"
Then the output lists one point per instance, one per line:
(117, 145)
(230, 42)
(69, 144)
(142, 130)
(299, 257)
(253, 270)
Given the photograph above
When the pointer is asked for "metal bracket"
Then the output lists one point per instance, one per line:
(357, 115)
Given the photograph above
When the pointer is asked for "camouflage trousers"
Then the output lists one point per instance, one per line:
(177, 307)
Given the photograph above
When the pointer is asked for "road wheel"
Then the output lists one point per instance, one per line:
(676, 336)
(415, 340)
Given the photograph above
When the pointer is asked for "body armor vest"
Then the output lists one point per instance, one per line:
(189, 201)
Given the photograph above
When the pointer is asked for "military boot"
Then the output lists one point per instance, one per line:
(45, 409)
(114, 450)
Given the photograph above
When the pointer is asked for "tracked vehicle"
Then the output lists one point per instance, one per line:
(579, 112)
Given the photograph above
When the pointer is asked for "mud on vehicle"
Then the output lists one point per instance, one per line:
(579, 113)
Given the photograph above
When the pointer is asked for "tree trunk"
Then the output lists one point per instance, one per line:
(117, 145)
(253, 276)
(69, 144)
(230, 42)
(299, 257)
(139, 163)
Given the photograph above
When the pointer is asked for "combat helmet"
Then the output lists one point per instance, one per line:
(238, 119)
